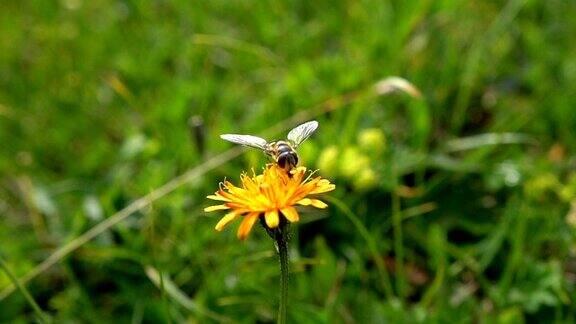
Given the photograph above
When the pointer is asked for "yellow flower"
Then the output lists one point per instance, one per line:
(272, 194)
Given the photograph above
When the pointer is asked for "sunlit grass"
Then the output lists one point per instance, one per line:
(462, 213)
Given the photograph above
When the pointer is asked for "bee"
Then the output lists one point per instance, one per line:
(282, 152)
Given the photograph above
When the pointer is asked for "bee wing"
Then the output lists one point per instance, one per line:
(300, 133)
(246, 140)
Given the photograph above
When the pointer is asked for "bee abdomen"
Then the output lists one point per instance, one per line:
(287, 159)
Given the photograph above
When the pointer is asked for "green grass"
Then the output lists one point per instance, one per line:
(452, 207)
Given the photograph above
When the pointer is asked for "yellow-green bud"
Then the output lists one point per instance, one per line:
(538, 187)
(352, 162)
(367, 179)
(372, 140)
(328, 161)
(568, 192)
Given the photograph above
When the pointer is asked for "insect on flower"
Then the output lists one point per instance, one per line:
(282, 152)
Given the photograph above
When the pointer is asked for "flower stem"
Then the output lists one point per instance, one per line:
(398, 247)
(282, 244)
(280, 236)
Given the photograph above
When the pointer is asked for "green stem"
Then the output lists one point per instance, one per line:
(282, 244)
(280, 237)
(42, 318)
(398, 246)
(371, 244)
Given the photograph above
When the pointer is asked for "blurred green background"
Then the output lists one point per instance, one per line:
(458, 206)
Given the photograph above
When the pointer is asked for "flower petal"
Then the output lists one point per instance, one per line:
(271, 195)
(217, 197)
(217, 207)
(291, 214)
(323, 186)
(225, 220)
(246, 225)
(272, 218)
(312, 202)
(304, 201)
(318, 203)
